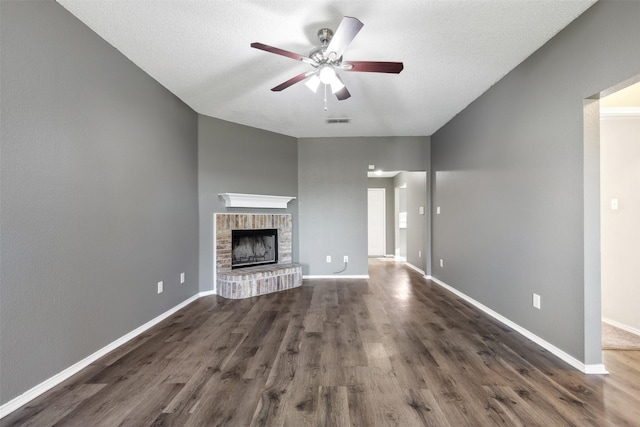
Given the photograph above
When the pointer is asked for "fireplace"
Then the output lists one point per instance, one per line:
(254, 247)
(241, 281)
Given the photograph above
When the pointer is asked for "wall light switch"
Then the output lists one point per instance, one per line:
(181, 277)
(421, 210)
(419, 254)
(328, 258)
(438, 210)
(614, 204)
(441, 263)
(160, 287)
(536, 301)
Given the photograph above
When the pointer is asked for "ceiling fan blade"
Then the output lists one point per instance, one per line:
(279, 51)
(343, 36)
(343, 93)
(292, 81)
(373, 66)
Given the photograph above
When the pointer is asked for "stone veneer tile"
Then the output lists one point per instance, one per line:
(252, 281)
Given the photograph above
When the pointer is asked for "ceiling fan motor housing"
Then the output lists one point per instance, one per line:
(325, 35)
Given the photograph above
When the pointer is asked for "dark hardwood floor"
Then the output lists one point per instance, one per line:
(393, 350)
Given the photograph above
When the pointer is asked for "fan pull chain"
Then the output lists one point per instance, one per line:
(325, 98)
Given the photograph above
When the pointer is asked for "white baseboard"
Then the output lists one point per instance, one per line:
(413, 267)
(587, 369)
(621, 326)
(46, 385)
(336, 276)
(207, 293)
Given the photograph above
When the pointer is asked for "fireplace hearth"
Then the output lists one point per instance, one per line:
(254, 247)
(272, 270)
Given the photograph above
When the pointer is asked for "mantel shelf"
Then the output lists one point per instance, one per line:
(239, 200)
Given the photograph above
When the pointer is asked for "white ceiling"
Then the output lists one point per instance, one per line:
(453, 51)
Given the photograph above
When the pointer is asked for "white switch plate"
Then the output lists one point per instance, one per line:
(328, 258)
(438, 210)
(536, 301)
(160, 287)
(421, 210)
(441, 263)
(614, 204)
(346, 258)
(372, 167)
(419, 254)
(181, 277)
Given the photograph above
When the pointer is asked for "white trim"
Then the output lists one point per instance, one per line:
(587, 369)
(336, 276)
(621, 326)
(239, 200)
(206, 293)
(413, 267)
(48, 384)
(619, 112)
(214, 285)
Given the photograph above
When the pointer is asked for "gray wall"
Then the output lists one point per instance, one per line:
(509, 174)
(389, 194)
(415, 233)
(233, 158)
(332, 191)
(99, 195)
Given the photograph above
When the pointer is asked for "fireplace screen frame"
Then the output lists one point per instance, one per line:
(237, 234)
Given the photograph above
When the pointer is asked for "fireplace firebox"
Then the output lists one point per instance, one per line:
(254, 247)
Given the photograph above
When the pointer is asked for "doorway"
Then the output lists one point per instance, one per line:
(376, 206)
(401, 222)
(620, 217)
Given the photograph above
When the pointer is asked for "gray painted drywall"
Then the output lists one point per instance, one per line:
(99, 195)
(513, 175)
(332, 195)
(389, 194)
(417, 225)
(233, 158)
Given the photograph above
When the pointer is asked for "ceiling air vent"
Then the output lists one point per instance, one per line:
(336, 121)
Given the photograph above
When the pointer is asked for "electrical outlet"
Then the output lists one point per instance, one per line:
(419, 254)
(536, 301)
(181, 278)
(328, 258)
(346, 258)
(441, 263)
(160, 287)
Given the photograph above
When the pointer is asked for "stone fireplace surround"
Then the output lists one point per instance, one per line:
(258, 280)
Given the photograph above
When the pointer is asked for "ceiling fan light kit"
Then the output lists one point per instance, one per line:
(326, 60)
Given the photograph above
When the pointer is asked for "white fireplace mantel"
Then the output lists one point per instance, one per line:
(239, 200)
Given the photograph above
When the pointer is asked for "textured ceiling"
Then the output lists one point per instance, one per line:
(453, 51)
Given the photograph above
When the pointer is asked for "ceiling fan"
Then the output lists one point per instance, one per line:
(326, 59)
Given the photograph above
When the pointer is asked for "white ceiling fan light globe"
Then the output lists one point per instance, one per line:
(336, 85)
(327, 74)
(313, 83)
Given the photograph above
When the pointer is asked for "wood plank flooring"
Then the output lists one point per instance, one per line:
(393, 350)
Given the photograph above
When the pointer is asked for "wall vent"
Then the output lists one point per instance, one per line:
(336, 121)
